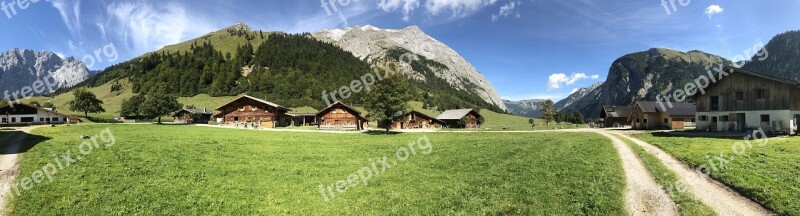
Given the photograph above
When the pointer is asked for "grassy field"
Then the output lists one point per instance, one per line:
(687, 204)
(767, 174)
(197, 170)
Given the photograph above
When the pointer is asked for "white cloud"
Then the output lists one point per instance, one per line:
(70, 12)
(145, 27)
(506, 10)
(457, 8)
(557, 80)
(714, 9)
(596, 76)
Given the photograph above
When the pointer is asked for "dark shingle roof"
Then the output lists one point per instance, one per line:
(454, 114)
(617, 111)
(677, 109)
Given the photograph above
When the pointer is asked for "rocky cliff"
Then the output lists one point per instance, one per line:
(20, 68)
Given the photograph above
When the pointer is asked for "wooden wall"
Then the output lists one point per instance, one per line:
(779, 95)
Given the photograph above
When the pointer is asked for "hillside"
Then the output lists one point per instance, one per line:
(642, 76)
(225, 40)
(783, 59)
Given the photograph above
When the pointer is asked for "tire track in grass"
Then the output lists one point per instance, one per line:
(643, 195)
(724, 200)
(687, 204)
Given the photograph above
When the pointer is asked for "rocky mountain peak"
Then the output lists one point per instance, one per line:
(375, 43)
(23, 67)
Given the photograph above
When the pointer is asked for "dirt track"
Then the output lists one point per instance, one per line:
(719, 197)
(9, 161)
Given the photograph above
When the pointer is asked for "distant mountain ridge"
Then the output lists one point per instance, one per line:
(783, 59)
(576, 96)
(22, 67)
(527, 108)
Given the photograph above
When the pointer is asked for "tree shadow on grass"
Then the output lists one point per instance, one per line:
(382, 132)
(15, 142)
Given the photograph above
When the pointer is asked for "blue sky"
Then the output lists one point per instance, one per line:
(526, 48)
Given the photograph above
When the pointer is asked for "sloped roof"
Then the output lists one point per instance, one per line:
(765, 76)
(424, 116)
(617, 111)
(255, 99)
(456, 114)
(32, 106)
(677, 109)
(342, 105)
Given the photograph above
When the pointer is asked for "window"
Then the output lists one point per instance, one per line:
(765, 118)
(13, 119)
(26, 119)
(761, 93)
(55, 119)
(715, 103)
(41, 119)
(65, 119)
(739, 95)
(645, 121)
(666, 121)
(703, 118)
(5, 120)
(724, 118)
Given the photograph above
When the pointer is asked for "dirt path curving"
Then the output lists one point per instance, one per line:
(643, 195)
(724, 200)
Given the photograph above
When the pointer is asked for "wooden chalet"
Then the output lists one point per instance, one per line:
(461, 118)
(650, 115)
(748, 100)
(26, 114)
(339, 116)
(615, 116)
(252, 111)
(417, 120)
(191, 116)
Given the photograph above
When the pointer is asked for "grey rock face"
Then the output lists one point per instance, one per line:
(527, 108)
(372, 44)
(21, 68)
(575, 97)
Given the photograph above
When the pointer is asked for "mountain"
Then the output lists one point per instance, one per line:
(576, 96)
(783, 59)
(21, 68)
(294, 70)
(374, 45)
(527, 108)
(642, 76)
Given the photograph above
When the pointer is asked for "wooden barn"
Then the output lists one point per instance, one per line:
(26, 114)
(615, 116)
(461, 118)
(251, 111)
(192, 116)
(650, 115)
(339, 116)
(417, 120)
(749, 100)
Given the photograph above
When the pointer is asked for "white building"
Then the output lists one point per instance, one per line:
(26, 114)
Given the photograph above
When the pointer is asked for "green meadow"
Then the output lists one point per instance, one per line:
(192, 170)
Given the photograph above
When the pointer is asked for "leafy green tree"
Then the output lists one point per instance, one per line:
(388, 100)
(86, 102)
(532, 122)
(131, 106)
(549, 114)
(578, 117)
(158, 104)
